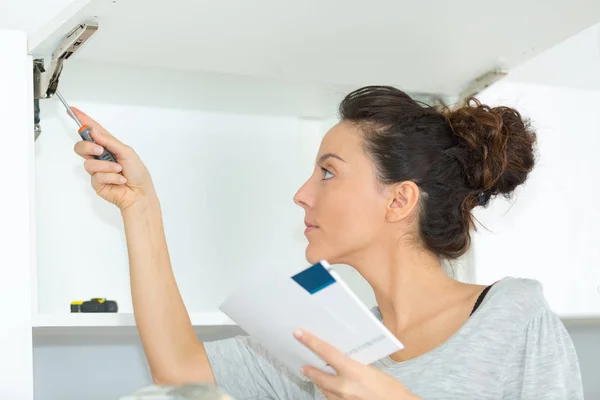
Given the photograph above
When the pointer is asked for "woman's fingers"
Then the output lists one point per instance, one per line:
(330, 395)
(106, 178)
(93, 166)
(323, 380)
(326, 352)
(88, 150)
(102, 137)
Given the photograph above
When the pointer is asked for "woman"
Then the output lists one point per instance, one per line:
(391, 194)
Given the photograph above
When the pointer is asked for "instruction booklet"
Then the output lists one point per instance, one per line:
(270, 307)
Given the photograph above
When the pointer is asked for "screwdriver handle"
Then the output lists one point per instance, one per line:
(85, 133)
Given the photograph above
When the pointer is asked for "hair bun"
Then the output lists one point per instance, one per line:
(495, 148)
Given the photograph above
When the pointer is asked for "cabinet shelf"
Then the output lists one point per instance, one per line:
(591, 318)
(397, 43)
(93, 325)
(119, 320)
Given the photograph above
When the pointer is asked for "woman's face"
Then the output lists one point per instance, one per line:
(345, 206)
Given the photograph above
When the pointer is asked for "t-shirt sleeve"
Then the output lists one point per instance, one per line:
(245, 370)
(551, 367)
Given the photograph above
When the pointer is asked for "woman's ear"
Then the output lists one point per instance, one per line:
(404, 197)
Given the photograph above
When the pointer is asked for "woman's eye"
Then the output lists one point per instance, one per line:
(326, 174)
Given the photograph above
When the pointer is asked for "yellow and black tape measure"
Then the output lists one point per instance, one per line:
(95, 304)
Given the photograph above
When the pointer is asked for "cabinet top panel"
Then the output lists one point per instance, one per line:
(422, 47)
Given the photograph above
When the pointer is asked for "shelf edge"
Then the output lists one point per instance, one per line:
(107, 320)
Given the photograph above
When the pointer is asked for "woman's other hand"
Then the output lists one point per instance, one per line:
(354, 380)
(125, 183)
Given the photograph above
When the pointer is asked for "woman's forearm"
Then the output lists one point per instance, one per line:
(174, 353)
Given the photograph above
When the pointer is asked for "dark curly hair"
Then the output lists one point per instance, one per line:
(459, 158)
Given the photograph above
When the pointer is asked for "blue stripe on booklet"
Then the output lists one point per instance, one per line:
(314, 278)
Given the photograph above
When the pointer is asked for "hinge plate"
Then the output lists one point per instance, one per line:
(45, 82)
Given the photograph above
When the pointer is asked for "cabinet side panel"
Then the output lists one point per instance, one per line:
(16, 132)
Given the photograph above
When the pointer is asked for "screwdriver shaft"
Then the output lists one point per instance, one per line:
(71, 114)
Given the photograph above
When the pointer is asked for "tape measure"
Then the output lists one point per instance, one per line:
(94, 305)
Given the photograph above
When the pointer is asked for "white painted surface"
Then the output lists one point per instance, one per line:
(61, 16)
(408, 44)
(550, 231)
(225, 184)
(16, 132)
(29, 15)
(572, 63)
(118, 320)
(225, 177)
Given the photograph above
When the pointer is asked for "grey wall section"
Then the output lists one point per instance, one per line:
(98, 366)
(586, 337)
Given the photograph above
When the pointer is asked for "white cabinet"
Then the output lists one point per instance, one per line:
(226, 102)
(422, 49)
(17, 261)
(225, 180)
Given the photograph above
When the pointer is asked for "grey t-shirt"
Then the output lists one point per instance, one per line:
(512, 347)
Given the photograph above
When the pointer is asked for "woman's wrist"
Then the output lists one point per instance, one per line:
(149, 203)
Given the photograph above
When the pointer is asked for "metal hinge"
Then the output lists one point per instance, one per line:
(479, 84)
(45, 83)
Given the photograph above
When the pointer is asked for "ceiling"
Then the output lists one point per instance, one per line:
(422, 47)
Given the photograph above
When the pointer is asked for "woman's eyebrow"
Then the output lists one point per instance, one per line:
(329, 155)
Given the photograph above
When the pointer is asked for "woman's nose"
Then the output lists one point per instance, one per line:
(303, 198)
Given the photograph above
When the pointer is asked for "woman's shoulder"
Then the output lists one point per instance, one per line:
(517, 289)
(521, 329)
(518, 300)
(511, 301)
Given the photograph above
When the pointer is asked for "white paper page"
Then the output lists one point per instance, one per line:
(270, 307)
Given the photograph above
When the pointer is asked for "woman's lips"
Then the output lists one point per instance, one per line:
(309, 227)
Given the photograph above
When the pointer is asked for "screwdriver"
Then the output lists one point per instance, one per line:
(85, 131)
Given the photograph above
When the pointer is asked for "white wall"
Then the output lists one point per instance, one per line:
(225, 182)
(574, 63)
(548, 231)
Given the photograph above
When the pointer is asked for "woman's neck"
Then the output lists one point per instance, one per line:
(410, 286)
